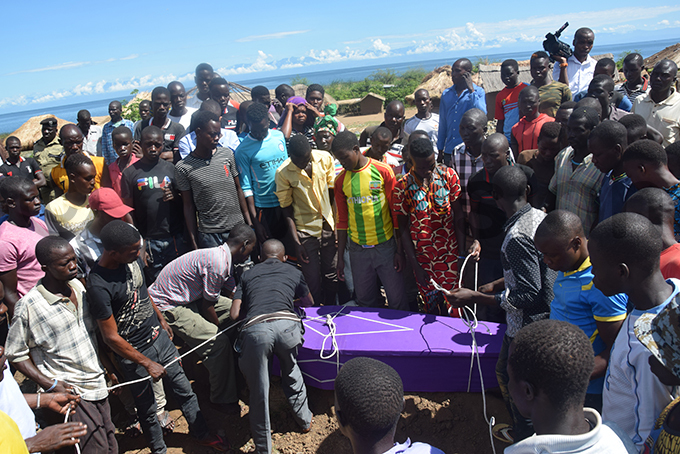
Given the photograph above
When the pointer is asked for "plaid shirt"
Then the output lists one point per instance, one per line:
(465, 166)
(576, 189)
(108, 151)
(59, 338)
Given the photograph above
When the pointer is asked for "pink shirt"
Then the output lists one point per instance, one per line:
(17, 251)
(116, 174)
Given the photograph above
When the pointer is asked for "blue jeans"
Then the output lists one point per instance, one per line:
(257, 345)
(161, 252)
(208, 240)
(162, 351)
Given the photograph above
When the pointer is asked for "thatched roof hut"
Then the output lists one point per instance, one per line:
(671, 53)
(435, 83)
(31, 131)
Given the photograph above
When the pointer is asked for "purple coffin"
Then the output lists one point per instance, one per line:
(430, 353)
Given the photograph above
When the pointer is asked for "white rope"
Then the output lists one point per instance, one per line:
(332, 328)
(472, 326)
(140, 380)
(68, 413)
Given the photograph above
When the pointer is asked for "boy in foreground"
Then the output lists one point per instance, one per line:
(561, 240)
(265, 301)
(369, 399)
(624, 251)
(549, 365)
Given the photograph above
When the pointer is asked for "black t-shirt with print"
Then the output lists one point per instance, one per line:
(26, 167)
(143, 182)
(122, 293)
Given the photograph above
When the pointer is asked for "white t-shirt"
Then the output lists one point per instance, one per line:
(184, 120)
(13, 403)
(601, 439)
(413, 448)
(430, 126)
(194, 102)
(633, 397)
(187, 144)
(92, 144)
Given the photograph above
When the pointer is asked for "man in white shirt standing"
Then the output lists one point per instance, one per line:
(91, 132)
(577, 71)
(179, 113)
(424, 120)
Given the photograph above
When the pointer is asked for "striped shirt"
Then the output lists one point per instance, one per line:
(364, 198)
(213, 187)
(576, 189)
(59, 337)
(198, 274)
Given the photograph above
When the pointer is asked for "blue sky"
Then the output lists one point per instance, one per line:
(88, 49)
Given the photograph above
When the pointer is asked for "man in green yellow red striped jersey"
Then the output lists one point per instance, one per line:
(363, 195)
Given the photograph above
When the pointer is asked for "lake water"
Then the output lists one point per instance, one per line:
(98, 107)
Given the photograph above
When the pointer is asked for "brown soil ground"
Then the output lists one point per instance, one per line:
(453, 422)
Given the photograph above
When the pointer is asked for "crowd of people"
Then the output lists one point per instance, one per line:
(208, 215)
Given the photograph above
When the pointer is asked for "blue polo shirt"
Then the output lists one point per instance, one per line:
(613, 194)
(580, 303)
(257, 161)
(451, 110)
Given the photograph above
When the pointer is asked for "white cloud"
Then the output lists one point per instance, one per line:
(278, 35)
(130, 57)
(380, 46)
(67, 65)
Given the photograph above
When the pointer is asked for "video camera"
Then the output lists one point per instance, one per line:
(555, 47)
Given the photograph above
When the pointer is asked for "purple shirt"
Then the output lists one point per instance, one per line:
(17, 251)
(198, 274)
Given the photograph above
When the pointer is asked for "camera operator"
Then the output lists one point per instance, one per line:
(577, 71)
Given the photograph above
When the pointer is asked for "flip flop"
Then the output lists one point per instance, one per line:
(503, 432)
(167, 423)
(134, 428)
(216, 442)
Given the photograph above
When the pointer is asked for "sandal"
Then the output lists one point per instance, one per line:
(306, 430)
(503, 432)
(215, 442)
(134, 428)
(167, 423)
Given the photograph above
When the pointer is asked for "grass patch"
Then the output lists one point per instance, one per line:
(386, 83)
